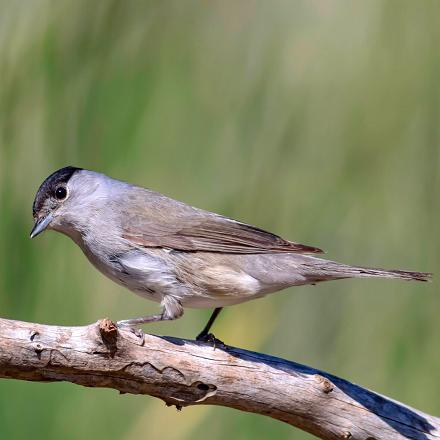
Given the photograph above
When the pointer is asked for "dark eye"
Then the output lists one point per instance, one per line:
(61, 193)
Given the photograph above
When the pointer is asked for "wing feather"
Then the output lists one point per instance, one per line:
(158, 221)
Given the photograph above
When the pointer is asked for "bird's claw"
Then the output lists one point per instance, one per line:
(138, 332)
(209, 338)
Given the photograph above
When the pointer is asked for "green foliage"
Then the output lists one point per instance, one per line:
(318, 120)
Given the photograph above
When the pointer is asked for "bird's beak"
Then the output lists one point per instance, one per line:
(40, 225)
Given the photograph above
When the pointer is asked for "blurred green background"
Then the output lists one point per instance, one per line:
(318, 120)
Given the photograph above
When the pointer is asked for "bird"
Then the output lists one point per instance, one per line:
(175, 254)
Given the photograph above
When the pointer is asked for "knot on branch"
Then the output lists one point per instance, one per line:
(109, 334)
(326, 385)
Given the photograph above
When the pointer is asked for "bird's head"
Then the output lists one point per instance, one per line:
(54, 199)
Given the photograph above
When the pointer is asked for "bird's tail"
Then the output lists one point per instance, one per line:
(328, 270)
(365, 272)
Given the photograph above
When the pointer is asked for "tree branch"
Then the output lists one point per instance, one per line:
(184, 373)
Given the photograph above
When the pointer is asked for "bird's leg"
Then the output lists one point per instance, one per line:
(172, 309)
(204, 335)
(133, 322)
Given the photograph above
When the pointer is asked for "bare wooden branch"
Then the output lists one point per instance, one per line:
(184, 373)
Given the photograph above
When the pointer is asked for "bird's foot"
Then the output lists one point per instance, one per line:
(209, 338)
(138, 332)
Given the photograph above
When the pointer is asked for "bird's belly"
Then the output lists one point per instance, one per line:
(196, 282)
(139, 272)
(217, 285)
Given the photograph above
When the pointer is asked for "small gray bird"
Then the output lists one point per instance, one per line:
(175, 254)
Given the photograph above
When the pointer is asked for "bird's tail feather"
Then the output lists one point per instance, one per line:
(326, 270)
(365, 272)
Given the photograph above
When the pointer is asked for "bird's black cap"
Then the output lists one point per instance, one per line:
(62, 175)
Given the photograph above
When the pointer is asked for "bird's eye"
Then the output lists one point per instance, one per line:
(61, 193)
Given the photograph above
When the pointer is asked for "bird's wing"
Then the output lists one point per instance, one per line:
(158, 221)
